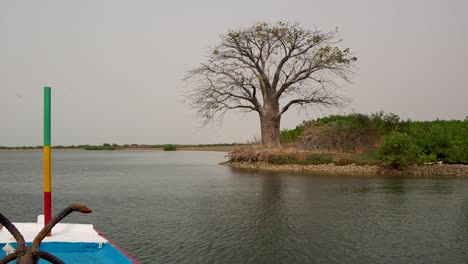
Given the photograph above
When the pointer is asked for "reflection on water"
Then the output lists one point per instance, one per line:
(181, 207)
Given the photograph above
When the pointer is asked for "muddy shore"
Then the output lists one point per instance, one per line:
(352, 169)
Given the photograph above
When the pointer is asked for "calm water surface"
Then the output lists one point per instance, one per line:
(181, 207)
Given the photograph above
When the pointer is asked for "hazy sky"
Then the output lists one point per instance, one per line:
(116, 67)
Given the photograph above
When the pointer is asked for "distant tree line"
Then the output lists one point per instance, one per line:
(107, 146)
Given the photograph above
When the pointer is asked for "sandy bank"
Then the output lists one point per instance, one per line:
(352, 169)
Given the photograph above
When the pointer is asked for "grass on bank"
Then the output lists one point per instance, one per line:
(280, 156)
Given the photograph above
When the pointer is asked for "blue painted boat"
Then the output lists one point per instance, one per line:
(71, 243)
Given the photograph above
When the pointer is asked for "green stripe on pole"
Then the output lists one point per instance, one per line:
(47, 116)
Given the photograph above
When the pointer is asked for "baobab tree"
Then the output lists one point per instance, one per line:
(270, 69)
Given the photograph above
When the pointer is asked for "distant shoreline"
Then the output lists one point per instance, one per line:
(179, 148)
(208, 148)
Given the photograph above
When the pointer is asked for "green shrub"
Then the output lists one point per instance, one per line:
(426, 158)
(285, 159)
(349, 133)
(291, 135)
(398, 150)
(425, 142)
(169, 147)
(445, 141)
(341, 133)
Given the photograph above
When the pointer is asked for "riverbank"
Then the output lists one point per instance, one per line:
(356, 163)
(353, 169)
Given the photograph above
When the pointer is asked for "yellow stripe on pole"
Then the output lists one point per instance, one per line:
(47, 174)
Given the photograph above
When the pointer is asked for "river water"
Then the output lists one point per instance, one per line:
(182, 207)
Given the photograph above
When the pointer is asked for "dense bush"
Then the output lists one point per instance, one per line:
(169, 147)
(342, 132)
(445, 141)
(398, 150)
(291, 135)
(427, 142)
(399, 143)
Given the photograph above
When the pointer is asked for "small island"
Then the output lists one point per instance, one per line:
(270, 69)
(364, 144)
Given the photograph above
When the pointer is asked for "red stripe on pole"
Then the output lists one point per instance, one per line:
(47, 207)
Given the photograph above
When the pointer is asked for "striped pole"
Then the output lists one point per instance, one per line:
(47, 158)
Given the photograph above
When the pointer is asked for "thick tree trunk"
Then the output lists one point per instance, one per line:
(270, 127)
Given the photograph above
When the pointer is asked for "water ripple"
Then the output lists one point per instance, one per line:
(183, 208)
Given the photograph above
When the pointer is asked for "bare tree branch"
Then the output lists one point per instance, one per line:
(256, 68)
